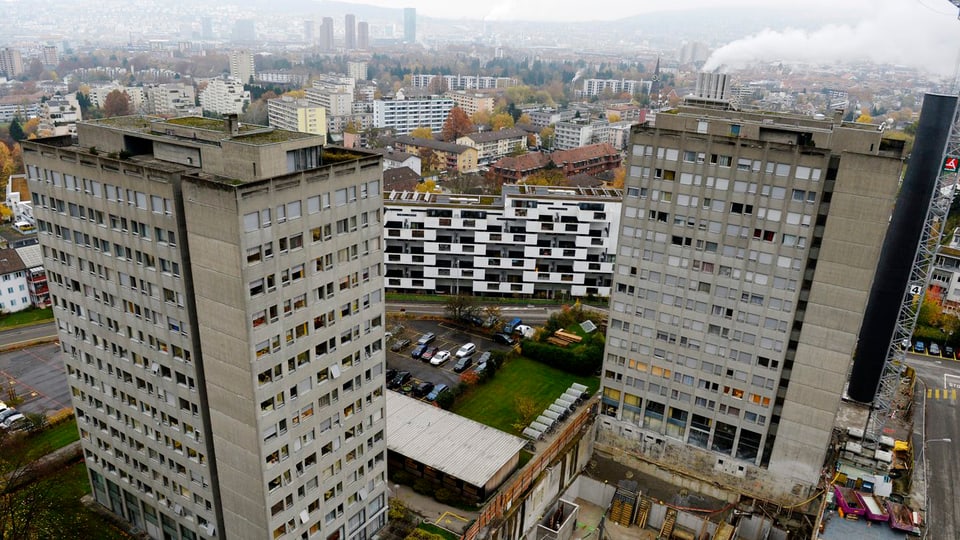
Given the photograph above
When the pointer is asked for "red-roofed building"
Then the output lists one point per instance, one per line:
(592, 159)
(513, 169)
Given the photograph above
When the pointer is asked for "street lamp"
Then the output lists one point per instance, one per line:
(456, 266)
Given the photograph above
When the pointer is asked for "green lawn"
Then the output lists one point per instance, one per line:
(494, 403)
(72, 519)
(431, 528)
(51, 439)
(26, 316)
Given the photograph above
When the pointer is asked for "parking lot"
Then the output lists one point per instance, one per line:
(37, 376)
(449, 338)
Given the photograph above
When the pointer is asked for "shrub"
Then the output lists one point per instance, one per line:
(422, 486)
(446, 399)
(582, 359)
(446, 496)
(402, 477)
(420, 534)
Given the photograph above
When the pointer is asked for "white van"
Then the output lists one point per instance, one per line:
(466, 350)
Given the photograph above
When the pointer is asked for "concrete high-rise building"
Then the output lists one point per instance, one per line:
(308, 34)
(206, 28)
(405, 115)
(409, 25)
(224, 338)
(363, 35)
(357, 70)
(326, 34)
(49, 55)
(292, 114)
(242, 66)
(747, 249)
(350, 32)
(11, 62)
(244, 30)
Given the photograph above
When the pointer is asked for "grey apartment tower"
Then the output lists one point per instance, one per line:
(218, 294)
(747, 249)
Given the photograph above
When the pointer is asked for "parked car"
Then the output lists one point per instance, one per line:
(7, 413)
(390, 374)
(466, 350)
(426, 338)
(428, 354)
(934, 349)
(512, 325)
(12, 420)
(918, 347)
(435, 393)
(400, 345)
(472, 319)
(503, 338)
(484, 357)
(423, 389)
(399, 379)
(418, 351)
(948, 352)
(524, 331)
(463, 363)
(20, 424)
(439, 358)
(905, 344)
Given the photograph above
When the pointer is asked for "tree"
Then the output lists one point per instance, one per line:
(864, 118)
(524, 119)
(545, 177)
(501, 121)
(31, 128)
(427, 186)
(16, 130)
(492, 314)
(619, 175)
(422, 132)
(27, 506)
(10, 162)
(526, 411)
(117, 103)
(613, 117)
(456, 125)
(547, 136)
(480, 118)
(461, 306)
(518, 150)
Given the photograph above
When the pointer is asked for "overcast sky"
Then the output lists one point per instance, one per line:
(917, 33)
(578, 10)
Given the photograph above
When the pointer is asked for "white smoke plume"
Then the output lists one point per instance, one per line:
(902, 34)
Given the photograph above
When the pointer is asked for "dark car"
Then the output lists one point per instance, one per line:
(391, 373)
(399, 379)
(463, 363)
(948, 351)
(418, 351)
(399, 345)
(428, 354)
(437, 390)
(505, 339)
(472, 319)
(423, 388)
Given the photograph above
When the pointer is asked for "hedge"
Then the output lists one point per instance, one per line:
(584, 359)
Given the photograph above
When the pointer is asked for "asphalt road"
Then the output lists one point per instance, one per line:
(27, 333)
(940, 448)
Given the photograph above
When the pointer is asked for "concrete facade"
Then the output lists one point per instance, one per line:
(219, 297)
(224, 96)
(405, 115)
(241, 66)
(292, 114)
(747, 251)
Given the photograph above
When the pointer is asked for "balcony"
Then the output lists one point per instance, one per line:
(592, 241)
(420, 284)
(589, 290)
(593, 267)
(503, 287)
(534, 252)
(565, 278)
(411, 259)
(411, 234)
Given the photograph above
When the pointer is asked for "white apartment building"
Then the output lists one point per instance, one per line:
(98, 95)
(405, 115)
(172, 99)
(11, 62)
(595, 87)
(219, 299)
(14, 295)
(336, 103)
(357, 70)
(9, 111)
(241, 66)
(292, 114)
(60, 114)
(569, 135)
(224, 96)
(472, 102)
(493, 145)
(535, 241)
(464, 82)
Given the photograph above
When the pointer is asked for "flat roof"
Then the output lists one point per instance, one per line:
(30, 255)
(447, 442)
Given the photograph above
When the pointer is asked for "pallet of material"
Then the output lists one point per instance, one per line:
(557, 341)
(567, 336)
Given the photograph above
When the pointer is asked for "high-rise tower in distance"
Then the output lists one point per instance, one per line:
(409, 25)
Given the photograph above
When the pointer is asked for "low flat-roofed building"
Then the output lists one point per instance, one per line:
(441, 446)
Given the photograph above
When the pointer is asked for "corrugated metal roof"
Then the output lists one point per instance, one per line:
(447, 442)
(31, 255)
